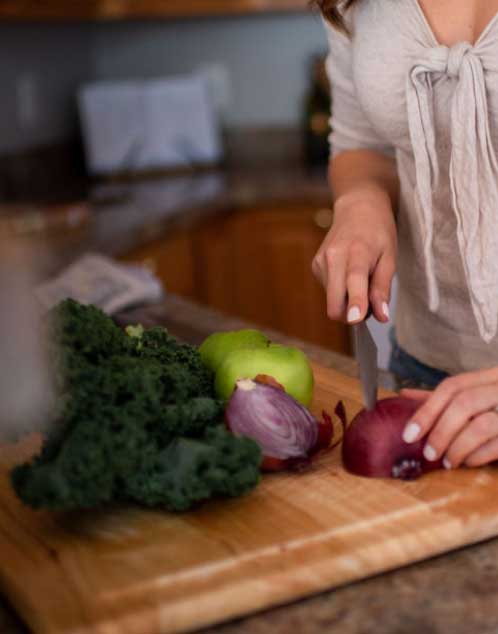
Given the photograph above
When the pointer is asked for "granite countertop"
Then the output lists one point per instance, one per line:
(127, 215)
(453, 593)
(119, 217)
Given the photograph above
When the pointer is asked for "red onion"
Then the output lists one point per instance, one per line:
(287, 433)
(373, 445)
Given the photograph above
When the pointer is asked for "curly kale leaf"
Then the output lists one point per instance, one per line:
(136, 420)
(102, 461)
(80, 338)
(190, 470)
(158, 344)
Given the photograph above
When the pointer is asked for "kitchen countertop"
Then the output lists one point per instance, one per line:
(452, 593)
(125, 216)
(121, 216)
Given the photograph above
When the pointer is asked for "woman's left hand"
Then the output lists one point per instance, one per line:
(459, 419)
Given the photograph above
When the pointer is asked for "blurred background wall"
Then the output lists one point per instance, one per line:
(41, 67)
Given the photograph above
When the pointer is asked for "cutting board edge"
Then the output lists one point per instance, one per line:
(313, 589)
(150, 619)
(138, 622)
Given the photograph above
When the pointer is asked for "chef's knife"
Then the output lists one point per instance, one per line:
(366, 355)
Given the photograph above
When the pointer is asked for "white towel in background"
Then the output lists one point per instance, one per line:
(96, 279)
(147, 124)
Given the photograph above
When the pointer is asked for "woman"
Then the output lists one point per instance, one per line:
(415, 180)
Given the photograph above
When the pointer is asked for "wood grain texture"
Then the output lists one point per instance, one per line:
(133, 9)
(127, 570)
(171, 259)
(256, 264)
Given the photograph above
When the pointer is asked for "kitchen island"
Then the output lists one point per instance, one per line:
(452, 593)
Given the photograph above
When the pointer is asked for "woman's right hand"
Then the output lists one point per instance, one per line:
(357, 259)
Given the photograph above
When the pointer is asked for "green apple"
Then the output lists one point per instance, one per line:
(215, 348)
(289, 366)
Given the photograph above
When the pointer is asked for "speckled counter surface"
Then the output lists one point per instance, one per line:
(456, 593)
(125, 216)
(453, 594)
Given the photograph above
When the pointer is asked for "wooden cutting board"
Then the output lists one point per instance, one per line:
(146, 572)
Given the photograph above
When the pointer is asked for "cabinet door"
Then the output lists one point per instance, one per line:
(171, 259)
(127, 9)
(215, 272)
(257, 265)
(173, 8)
(50, 9)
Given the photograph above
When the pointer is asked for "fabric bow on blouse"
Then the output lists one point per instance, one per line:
(475, 194)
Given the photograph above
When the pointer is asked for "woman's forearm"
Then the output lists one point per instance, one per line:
(359, 177)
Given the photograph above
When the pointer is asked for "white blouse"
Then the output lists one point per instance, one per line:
(395, 89)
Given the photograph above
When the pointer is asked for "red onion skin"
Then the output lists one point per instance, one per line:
(273, 465)
(373, 444)
(243, 404)
(325, 435)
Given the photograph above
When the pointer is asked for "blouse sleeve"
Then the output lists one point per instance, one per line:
(351, 129)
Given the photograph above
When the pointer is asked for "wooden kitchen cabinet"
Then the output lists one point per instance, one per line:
(257, 264)
(171, 259)
(49, 9)
(138, 9)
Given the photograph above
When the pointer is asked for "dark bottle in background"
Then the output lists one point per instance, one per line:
(317, 114)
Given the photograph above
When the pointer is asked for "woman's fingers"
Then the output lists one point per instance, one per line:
(357, 282)
(464, 407)
(345, 276)
(318, 269)
(484, 455)
(425, 418)
(459, 420)
(415, 395)
(354, 278)
(477, 433)
(430, 411)
(380, 286)
(336, 285)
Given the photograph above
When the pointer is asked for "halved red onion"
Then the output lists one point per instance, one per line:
(373, 444)
(287, 433)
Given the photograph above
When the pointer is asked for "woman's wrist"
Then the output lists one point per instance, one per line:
(368, 198)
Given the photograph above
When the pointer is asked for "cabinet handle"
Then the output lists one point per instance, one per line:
(323, 218)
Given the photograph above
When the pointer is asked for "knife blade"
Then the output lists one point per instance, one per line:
(367, 357)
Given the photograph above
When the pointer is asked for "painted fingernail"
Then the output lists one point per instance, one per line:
(430, 453)
(411, 432)
(447, 464)
(385, 310)
(353, 314)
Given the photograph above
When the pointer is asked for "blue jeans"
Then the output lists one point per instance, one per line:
(410, 372)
